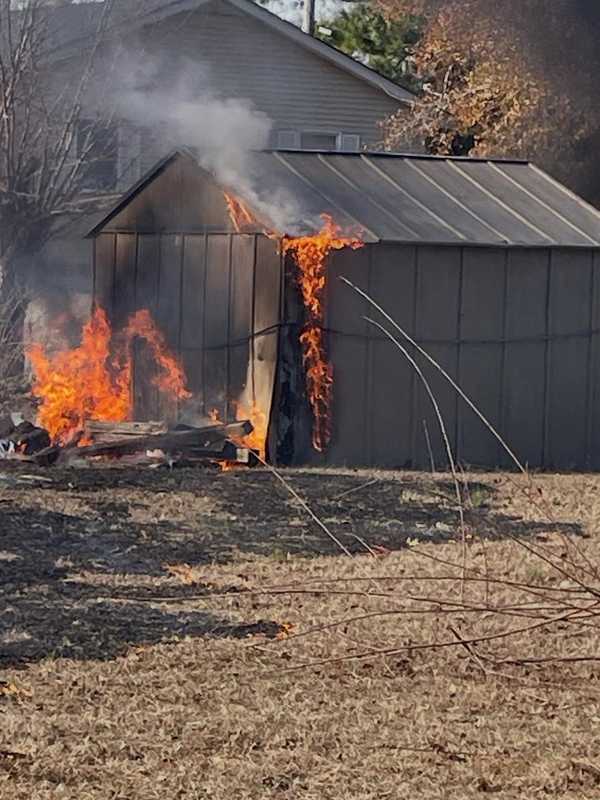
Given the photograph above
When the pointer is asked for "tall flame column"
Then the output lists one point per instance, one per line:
(310, 254)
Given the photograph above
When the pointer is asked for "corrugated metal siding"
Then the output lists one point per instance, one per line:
(216, 298)
(518, 329)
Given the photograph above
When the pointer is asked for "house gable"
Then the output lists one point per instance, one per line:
(239, 57)
(71, 25)
(315, 97)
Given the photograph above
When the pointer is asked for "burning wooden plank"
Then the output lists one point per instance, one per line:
(99, 432)
(198, 440)
(23, 441)
(30, 439)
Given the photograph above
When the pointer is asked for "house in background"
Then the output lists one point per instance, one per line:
(316, 97)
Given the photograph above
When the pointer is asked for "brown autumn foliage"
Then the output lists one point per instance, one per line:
(506, 78)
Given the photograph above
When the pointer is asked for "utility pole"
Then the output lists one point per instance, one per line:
(308, 17)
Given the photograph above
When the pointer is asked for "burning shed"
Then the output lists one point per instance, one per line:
(491, 265)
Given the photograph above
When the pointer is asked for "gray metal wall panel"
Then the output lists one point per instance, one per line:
(242, 284)
(391, 378)
(524, 390)
(348, 353)
(518, 360)
(593, 426)
(267, 316)
(125, 271)
(104, 271)
(168, 313)
(169, 288)
(480, 358)
(438, 292)
(192, 294)
(216, 322)
(146, 297)
(240, 317)
(147, 273)
(192, 315)
(267, 290)
(568, 359)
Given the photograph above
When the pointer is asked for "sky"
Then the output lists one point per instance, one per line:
(291, 10)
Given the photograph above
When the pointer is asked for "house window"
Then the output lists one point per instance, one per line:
(288, 140)
(98, 146)
(349, 142)
(318, 140)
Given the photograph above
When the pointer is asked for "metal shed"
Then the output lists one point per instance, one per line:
(491, 265)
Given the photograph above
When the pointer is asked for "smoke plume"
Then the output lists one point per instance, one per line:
(224, 132)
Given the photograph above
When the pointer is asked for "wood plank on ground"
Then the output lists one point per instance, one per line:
(171, 440)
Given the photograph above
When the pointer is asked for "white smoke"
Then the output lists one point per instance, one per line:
(223, 132)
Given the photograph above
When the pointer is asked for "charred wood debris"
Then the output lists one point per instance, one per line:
(150, 444)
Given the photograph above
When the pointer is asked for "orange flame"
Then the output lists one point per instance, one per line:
(93, 381)
(310, 253)
(170, 378)
(256, 440)
(239, 213)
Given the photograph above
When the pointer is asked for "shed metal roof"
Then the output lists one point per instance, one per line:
(419, 199)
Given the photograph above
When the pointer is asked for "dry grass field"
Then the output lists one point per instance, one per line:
(193, 634)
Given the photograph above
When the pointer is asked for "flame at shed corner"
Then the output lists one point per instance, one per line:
(93, 380)
(310, 254)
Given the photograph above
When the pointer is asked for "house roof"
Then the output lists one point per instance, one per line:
(413, 198)
(70, 25)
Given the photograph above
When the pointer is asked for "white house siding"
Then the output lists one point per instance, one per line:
(296, 88)
(237, 56)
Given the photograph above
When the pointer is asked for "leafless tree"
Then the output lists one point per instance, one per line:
(45, 145)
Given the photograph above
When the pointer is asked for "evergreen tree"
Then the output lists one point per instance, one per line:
(383, 44)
